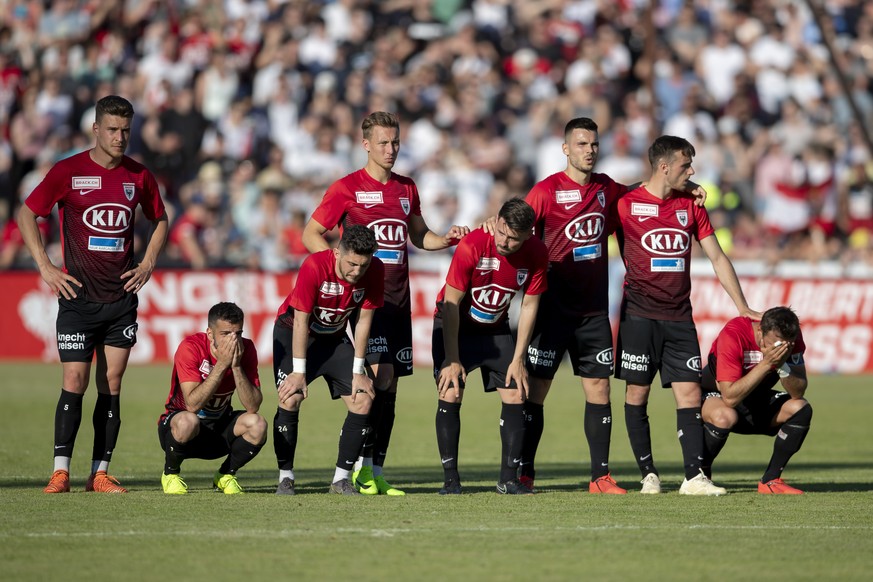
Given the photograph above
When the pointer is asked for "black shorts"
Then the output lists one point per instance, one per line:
(492, 352)
(82, 325)
(330, 356)
(588, 339)
(212, 442)
(648, 346)
(756, 412)
(391, 338)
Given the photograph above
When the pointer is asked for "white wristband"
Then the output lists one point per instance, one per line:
(358, 366)
(298, 365)
(784, 371)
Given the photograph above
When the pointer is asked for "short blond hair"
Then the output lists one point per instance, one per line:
(379, 119)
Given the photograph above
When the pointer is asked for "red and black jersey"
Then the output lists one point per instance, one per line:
(490, 280)
(655, 238)
(572, 222)
(329, 299)
(96, 208)
(193, 362)
(386, 209)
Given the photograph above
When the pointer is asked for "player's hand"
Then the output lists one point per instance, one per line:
(455, 234)
(62, 284)
(225, 352)
(451, 375)
(137, 277)
(518, 372)
(698, 192)
(238, 350)
(489, 225)
(751, 314)
(362, 384)
(292, 385)
(777, 354)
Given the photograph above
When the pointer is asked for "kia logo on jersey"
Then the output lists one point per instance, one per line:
(390, 232)
(109, 217)
(585, 229)
(490, 302)
(666, 241)
(331, 317)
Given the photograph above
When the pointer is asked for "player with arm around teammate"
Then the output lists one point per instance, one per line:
(199, 421)
(310, 341)
(388, 204)
(471, 330)
(97, 192)
(747, 360)
(655, 224)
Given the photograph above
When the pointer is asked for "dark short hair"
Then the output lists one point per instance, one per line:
(585, 123)
(225, 311)
(114, 105)
(518, 215)
(783, 321)
(358, 239)
(666, 147)
(380, 119)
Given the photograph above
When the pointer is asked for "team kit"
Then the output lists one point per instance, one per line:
(347, 320)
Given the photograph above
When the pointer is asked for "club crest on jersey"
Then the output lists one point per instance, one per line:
(368, 198)
(682, 217)
(205, 367)
(567, 196)
(601, 197)
(129, 190)
(357, 295)
(488, 264)
(404, 205)
(331, 288)
(521, 276)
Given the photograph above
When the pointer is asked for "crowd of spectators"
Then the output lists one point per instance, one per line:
(247, 110)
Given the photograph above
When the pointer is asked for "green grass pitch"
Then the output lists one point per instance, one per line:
(561, 533)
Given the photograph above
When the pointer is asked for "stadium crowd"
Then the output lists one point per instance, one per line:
(247, 112)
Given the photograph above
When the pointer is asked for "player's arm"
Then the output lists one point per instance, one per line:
(773, 357)
(727, 276)
(361, 382)
(424, 238)
(142, 272)
(526, 319)
(313, 236)
(58, 281)
(451, 369)
(250, 396)
(295, 382)
(197, 394)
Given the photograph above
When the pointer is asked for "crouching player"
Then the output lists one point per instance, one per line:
(471, 330)
(310, 341)
(199, 422)
(747, 359)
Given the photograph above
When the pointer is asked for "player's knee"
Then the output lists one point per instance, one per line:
(800, 411)
(185, 426)
(721, 416)
(256, 427)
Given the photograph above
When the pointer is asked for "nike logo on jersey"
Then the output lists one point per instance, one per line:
(369, 205)
(83, 192)
(569, 206)
(643, 218)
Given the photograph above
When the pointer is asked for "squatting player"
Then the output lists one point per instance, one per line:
(97, 192)
(471, 330)
(199, 421)
(655, 224)
(388, 204)
(746, 361)
(310, 341)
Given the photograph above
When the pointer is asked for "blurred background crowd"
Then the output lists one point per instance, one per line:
(247, 110)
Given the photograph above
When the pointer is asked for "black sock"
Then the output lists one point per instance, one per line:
(173, 455)
(448, 429)
(598, 431)
(241, 452)
(354, 432)
(714, 439)
(107, 425)
(533, 431)
(788, 441)
(637, 421)
(689, 427)
(285, 437)
(384, 425)
(68, 417)
(511, 439)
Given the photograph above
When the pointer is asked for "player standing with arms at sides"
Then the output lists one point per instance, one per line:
(388, 204)
(310, 340)
(654, 225)
(97, 192)
(471, 330)
(746, 361)
(199, 422)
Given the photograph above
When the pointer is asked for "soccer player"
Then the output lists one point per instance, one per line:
(97, 192)
(746, 361)
(654, 225)
(310, 341)
(388, 204)
(199, 422)
(471, 330)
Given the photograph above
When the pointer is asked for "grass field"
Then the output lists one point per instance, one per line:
(561, 533)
